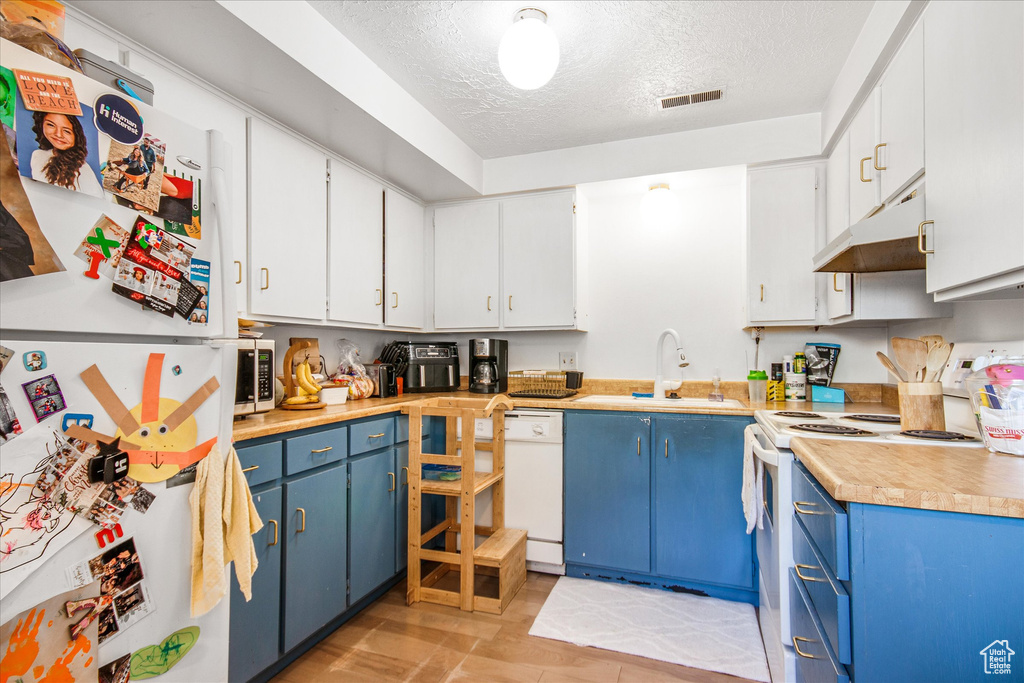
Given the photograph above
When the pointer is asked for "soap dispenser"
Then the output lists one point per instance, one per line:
(716, 391)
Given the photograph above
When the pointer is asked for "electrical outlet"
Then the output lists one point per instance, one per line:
(567, 360)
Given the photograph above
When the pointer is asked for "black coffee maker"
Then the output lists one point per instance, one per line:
(488, 366)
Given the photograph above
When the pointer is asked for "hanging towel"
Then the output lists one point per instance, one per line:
(223, 521)
(753, 474)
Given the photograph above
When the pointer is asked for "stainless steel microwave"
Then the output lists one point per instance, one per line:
(254, 382)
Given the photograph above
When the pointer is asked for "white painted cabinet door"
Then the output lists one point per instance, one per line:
(538, 261)
(202, 108)
(782, 215)
(287, 225)
(356, 254)
(974, 141)
(837, 219)
(865, 195)
(901, 119)
(466, 266)
(403, 261)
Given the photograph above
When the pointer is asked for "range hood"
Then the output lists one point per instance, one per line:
(885, 242)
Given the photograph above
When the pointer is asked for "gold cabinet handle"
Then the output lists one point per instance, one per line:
(666, 448)
(877, 147)
(798, 503)
(808, 567)
(266, 279)
(762, 292)
(380, 297)
(274, 522)
(405, 479)
(638, 445)
(488, 302)
(302, 511)
(376, 436)
(395, 305)
(250, 469)
(322, 450)
(510, 302)
(391, 475)
(238, 280)
(835, 283)
(862, 178)
(920, 237)
(796, 646)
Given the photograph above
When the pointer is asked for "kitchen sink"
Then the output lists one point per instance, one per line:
(660, 402)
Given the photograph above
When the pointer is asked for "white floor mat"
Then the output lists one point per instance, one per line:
(703, 633)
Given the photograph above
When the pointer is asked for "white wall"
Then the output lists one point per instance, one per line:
(690, 278)
(985, 321)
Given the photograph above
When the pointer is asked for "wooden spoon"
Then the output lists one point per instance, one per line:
(937, 356)
(891, 367)
(912, 356)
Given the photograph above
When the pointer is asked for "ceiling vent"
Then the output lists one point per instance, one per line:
(690, 98)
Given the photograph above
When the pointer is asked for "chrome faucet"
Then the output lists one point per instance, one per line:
(660, 383)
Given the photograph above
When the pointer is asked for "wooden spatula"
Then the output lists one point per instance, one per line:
(932, 340)
(912, 356)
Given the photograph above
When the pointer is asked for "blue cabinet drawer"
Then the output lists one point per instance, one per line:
(830, 599)
(402, 428)
(313, 450)
(815, 660)
(371, 435)
(825, 520)
(262, 463)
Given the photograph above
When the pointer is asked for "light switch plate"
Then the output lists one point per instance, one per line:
(567, 360)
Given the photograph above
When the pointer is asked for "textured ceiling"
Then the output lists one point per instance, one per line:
(774, 58)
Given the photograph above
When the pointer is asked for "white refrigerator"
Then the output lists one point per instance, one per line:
(148, 364)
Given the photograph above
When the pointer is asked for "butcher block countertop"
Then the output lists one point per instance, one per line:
(947, 478)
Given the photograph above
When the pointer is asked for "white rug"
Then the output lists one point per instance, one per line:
(703, 633)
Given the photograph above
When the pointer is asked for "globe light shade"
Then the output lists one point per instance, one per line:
(528, 52)
(660, 208)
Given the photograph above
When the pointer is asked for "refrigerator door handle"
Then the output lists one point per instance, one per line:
(219, 157)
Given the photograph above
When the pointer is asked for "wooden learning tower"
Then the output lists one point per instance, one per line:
(502, 553)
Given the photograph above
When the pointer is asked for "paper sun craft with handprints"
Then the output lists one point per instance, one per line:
(160, 434)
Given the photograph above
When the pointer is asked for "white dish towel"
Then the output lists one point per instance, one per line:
(753, 474)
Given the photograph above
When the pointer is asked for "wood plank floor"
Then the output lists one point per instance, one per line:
(389, 641)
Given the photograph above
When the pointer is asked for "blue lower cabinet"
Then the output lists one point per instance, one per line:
(373, 502)
(256, 625)
(699, 529)
(608, 490)
(815, 661)
(314, 529)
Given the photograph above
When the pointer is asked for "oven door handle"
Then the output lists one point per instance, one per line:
(768, 455)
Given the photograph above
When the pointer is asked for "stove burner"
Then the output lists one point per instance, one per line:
(880, 419)
(936, 435)
(798, 413)
(833, 430)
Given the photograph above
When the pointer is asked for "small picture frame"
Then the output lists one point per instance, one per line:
(45, 397)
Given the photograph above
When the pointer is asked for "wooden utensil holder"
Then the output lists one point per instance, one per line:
(921, 406)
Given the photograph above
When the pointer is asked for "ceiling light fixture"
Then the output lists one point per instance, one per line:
(528, 52)
(659, 208)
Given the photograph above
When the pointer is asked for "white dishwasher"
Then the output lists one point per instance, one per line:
(533, 483)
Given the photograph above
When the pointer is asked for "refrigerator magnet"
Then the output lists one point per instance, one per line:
(45, 397)
(34, 360)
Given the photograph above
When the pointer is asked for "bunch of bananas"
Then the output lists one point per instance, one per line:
(307, 386)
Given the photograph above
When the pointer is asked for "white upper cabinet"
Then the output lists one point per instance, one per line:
(974, 146)
(466, 265)
(356, 252)
(837, 219)
(538, 259)
(865, 191)
(900, 156)
(403, 261)
(784, 219)
(287, 225)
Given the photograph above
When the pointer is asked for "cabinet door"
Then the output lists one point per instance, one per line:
(974, 141)
(256, 625)
(356, 280)
(316, 543)
(403, 261)
(373, 498)
(287, 225)
(538, 261)
(402, 505)
(699, 529)
(865, 194)
(901, 118)
(608, 491)
(466, 266)
(837, 200)
(782, 214)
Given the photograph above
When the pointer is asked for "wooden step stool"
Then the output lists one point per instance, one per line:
(502, 554)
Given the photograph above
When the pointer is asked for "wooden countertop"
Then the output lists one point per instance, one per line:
(282, 421)
(948, 478)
